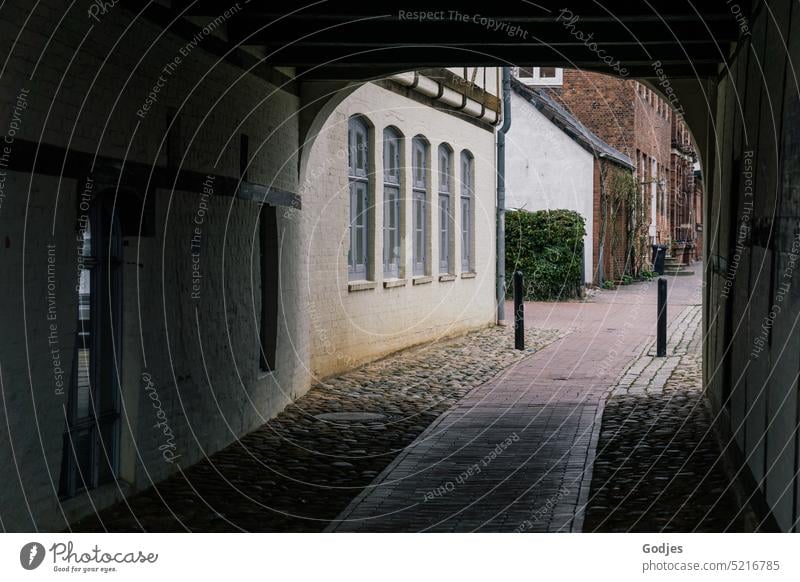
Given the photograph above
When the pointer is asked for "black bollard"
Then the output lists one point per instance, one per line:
(519, 312)
(661, 336)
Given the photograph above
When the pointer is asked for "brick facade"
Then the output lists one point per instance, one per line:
(635, 120)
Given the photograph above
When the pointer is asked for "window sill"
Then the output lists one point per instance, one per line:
(469, 275)
(392, 283)
(421, 280)
(448, 277)
(361, 286)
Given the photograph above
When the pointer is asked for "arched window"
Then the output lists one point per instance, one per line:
(419, 227)
(358, 146)
(392, 173)
(445, 209)
(467, 212)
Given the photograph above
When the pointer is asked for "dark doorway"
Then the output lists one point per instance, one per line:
(91, 439)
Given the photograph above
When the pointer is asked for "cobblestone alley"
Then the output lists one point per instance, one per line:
(471, 435)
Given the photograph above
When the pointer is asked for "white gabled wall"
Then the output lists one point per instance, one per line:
(548, 170)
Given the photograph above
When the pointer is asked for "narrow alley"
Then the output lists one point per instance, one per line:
(460, 435)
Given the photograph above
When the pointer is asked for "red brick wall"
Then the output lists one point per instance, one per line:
(616, 259)
(631, 118)
(602, 103)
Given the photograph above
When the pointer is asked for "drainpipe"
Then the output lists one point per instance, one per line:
(501, 197)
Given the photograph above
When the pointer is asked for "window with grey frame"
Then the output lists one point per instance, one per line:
(392, 173)
(467, 212)
(358, 169)
(445, 209)
(419, 198)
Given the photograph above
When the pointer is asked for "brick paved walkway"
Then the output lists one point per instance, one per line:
(516, 453)
(300, 469)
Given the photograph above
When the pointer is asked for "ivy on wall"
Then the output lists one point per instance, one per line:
(622, 211)
(547, 246)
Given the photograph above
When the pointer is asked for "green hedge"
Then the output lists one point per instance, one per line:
(547, 246)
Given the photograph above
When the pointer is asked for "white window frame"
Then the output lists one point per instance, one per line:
(536, 80)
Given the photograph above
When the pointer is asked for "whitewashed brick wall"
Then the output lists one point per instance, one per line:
(349, 328)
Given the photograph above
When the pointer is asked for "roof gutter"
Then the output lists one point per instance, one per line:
(438, 91)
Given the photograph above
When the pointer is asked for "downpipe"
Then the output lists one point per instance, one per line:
(501, 197)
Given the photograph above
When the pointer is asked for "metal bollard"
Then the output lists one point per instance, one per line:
(661, 335)
(519, 312)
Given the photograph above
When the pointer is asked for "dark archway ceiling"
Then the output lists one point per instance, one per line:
(343, 39)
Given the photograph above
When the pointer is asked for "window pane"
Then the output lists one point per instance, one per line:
(360, 147)
(351, 162)
(391, 231)
(83, 387)
(419, 163)
(419, 233)
(444, 233)
(106, 452)
(466, 234)
(547, 72)
(81, 442)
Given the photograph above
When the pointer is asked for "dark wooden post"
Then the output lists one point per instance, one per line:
(519, 312)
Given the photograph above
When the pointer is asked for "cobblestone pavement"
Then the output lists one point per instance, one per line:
(658, 466)
(515, 454)
(460, 435)
(300, 469)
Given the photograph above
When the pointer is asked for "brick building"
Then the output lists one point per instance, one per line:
(697, 205)
(686, 200)
(554, 162)
(635, 120)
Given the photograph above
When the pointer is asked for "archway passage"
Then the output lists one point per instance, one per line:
(219, 364)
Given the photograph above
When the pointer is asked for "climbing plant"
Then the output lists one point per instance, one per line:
(622, 217)
(547, 246)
